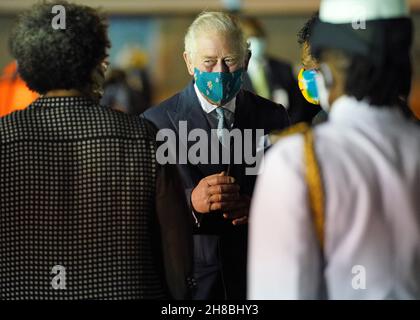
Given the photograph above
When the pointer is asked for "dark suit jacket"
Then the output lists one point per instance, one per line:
(280, 76)
(80, 188)
(252, 112)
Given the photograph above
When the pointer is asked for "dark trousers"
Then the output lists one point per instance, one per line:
(207, 268)
(219, 267)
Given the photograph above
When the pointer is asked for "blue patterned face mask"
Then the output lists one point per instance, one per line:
(219, 87)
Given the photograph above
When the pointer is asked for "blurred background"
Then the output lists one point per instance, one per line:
(149, 34)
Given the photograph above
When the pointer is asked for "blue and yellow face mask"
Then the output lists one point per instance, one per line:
(219, 87)
(307, 85)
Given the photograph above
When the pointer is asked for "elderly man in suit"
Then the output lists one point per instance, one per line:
(216, 55)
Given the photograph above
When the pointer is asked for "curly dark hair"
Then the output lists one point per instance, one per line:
(388, 85)
(51, 59)
(306, 31)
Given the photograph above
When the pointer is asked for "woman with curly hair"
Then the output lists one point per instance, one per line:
(86, 212)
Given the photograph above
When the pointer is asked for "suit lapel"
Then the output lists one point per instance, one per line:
(245, 118)
(188, 109)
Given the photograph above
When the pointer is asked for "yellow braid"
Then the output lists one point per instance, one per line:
(312, 175)
(315, 186)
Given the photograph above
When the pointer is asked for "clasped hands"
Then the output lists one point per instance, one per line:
(219, 192)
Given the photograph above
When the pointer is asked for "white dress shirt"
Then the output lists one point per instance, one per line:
(209, 108)
(370, 165)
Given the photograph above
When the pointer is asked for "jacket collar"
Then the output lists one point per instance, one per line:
(54, 102)
(348, 110)
(208, 107)
(188, 108)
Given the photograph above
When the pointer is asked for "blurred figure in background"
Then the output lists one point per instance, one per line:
(306, 83)
(14, 93)
(81, 191)
(273, 78)
(310, 68)
(128, 87)
(344, 223)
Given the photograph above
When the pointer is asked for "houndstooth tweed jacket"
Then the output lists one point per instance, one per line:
(85, 210)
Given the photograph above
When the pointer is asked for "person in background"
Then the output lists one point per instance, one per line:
(306, 82)
(14, 93)
(127, 88)
(120, 93)
(216, 55)
(273, 78)
(310, 67)
(344, 223)
(86, 212)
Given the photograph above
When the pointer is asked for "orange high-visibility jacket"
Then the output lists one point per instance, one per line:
(14, 94)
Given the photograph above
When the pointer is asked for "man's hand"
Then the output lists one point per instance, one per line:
(215, 192)
(241, 213)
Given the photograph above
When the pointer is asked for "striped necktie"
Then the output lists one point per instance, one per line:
(221, 124)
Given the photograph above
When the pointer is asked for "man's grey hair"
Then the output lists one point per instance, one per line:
(218, 22)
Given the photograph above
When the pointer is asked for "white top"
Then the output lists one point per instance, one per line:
(370, 163)
(348, 11)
